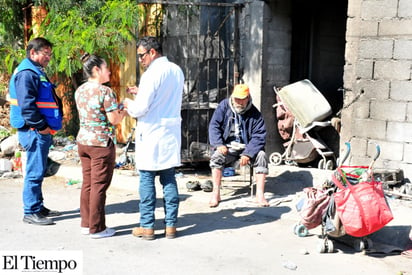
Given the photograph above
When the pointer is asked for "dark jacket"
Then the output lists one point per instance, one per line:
(253, 125)
(34, 102)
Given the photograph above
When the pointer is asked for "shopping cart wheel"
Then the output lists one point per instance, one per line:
(330, 246)
(321, 164)
(301, 230)
(325, 246)
(329, 165)
(321, 246)
(294, 228)
(369, 243)
(362, 244)
(275, 158)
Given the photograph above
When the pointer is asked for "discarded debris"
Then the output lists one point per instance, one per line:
(289, 265)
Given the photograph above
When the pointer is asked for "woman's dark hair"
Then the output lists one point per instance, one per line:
(150, 42)
(89, 61)
(38, 44)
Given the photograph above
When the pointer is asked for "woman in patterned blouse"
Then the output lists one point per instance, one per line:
(99, 112)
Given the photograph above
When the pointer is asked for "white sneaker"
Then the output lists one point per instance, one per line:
(108, 232)
(84, 230)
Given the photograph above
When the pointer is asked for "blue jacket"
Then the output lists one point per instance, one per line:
(252, 123)
(33, 100)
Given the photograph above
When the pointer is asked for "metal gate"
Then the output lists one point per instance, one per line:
(203, 39)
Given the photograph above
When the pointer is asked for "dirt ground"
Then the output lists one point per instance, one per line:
(235, 238)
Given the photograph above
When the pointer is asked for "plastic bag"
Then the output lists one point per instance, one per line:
(314, 206)
(362, 208)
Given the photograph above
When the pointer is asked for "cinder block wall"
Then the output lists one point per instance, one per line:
(377, 79)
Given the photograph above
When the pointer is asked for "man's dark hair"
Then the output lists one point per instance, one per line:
(38, 44)
(150, 42)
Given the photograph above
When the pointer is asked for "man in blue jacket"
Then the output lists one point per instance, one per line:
(36, 113)
(237, 132)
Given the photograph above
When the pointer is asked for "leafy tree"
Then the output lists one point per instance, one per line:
(102, 27)
(75, 27)
(11, 37)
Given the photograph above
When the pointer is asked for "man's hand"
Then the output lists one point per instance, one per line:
(132, 90)
(244, 160)
(222, 149)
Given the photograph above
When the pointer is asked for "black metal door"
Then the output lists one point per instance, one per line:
(202, 38)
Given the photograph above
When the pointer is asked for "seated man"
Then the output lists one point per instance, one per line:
(237, 132)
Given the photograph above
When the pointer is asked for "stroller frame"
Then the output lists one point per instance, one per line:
(317, 148)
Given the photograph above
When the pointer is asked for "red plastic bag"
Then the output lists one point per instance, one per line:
(362, 208)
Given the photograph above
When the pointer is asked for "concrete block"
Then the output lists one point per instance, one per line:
(389, 150)
(354, 8)
(399, 132)
(395, 27)
(405, 8)
(379, 8)
(359, 160)
(349, 75)
(388, 110)
(368, 28)
(402, 49)
(393, 70)
(361, 110)
(360, 145)
(5, 165)
(368, 128)
(364, 69)
(369, 49)
(401, 90)
(352, 27)
(378, 89)
(387, 164)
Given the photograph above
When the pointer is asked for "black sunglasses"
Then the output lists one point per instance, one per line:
(141, 55)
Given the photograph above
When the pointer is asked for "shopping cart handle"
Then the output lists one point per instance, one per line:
(378, 152)
(346, 154)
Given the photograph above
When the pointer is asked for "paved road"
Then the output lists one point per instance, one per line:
(235, 238)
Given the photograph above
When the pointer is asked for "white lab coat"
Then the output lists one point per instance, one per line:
(157, 107)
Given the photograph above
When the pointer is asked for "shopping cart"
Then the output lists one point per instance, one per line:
(333, 226)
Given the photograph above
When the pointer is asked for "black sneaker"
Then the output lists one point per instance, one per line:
(37, 218)
(49, 213)
(193, 186)
(207, 186)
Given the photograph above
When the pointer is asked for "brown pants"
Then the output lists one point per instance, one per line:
(97, 167)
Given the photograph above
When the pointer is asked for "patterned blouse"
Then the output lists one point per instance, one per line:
(93, 102)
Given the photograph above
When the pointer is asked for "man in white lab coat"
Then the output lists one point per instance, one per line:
(156, 106)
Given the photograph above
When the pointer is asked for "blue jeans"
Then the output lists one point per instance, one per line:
(147, 192)
(37, 149)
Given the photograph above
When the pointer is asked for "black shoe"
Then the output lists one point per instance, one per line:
(37, 218)
(49, 213)
(193, 186)
(207, 186)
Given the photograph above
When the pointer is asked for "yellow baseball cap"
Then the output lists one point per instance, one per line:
(241, 91)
